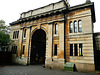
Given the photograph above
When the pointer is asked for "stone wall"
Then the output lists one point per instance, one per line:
(82, 63)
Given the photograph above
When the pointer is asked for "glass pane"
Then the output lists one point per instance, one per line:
(56, 28)
(14, 35)
(71, 27)
(23, 49)
(76, 49)
(80, 26)
(17, 34)
(71, 49)
(80, 50)
(75, 26)
(25, 33)
(55, 51)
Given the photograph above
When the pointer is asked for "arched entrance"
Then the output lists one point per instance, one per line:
(38, 47)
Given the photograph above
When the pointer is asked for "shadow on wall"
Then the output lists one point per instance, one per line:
(97, 50)
(97, 60)
(5, 57)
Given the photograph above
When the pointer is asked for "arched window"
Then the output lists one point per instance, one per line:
(71, 27)
(17, 34)
(14, 49)
(56, 28)
(80, 26)
(14, 35)
(23, 49)
(75, 26)
(24, 33)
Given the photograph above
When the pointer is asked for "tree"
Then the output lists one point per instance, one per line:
(4, 35)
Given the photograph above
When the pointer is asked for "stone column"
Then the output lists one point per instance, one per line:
(61, 40)
(27, 42)
(20, 40)
(61, 59)
(49, 46)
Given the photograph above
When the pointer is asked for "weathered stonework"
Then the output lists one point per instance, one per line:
(45, 19)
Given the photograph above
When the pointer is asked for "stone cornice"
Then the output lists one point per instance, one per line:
(81, 6)
(41, 23)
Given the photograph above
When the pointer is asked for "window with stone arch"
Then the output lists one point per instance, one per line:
(75, 26)
(56, 28)
(71, 27)
(80, 26)
(14, 35)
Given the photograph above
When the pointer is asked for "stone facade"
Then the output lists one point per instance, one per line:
(61, 45)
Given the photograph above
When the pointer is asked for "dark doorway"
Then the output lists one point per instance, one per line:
(38, 47)
(97, 50)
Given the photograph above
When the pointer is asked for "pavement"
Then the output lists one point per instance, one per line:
(36, 70)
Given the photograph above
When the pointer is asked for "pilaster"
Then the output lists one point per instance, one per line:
(20, 41)
(49, 51)
(27, 41)
(61, 40)
(48, 60)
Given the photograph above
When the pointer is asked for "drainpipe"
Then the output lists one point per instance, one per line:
(65, 20)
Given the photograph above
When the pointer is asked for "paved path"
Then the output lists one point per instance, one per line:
(35, 70)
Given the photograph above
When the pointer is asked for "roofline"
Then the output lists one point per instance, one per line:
(81, 6)
(42, 14)
(85, 5)
(41, 7)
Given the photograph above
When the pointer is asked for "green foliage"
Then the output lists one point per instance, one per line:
(4, 38)
(2, 23)
(4, 34)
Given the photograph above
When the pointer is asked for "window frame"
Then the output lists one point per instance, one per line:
(14, 35)
(79, 26)
(14, 49)
(80, 51)
(56, 28)
(75, 26)
(71, 49)
(24, 33)
(75, 50)
(17, 34)
(23, 50)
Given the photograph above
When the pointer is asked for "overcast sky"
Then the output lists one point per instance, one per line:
(10, 10)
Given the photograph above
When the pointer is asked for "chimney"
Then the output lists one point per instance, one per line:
(88, 1)
(67, 2)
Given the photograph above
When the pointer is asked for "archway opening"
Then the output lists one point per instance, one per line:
(38, 47)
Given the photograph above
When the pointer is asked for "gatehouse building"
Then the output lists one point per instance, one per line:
(55, 34)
